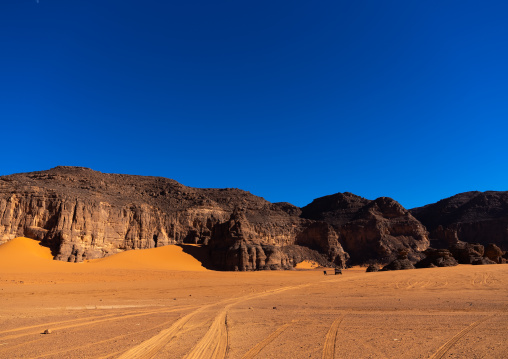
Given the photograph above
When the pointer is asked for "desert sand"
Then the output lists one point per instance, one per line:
(161, 303)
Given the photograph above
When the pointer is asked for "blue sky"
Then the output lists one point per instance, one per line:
(290, 100)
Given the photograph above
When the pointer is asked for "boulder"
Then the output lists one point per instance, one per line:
(401, 263)
(437, 258)
(372, 268)
(467, 253)
(494, 253)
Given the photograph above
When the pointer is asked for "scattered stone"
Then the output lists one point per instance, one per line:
(47, 331)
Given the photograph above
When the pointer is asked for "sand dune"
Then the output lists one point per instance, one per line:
(27, 255)
(162, 258)
(307, 265)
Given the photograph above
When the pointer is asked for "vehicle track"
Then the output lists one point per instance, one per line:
(213, 341)
(331, 339)
(453, 340)
(214, 344)
(262, 344)
(150, 347)
(74, 348)
(87, 321)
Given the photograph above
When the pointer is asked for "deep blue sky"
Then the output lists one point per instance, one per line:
(290, 100)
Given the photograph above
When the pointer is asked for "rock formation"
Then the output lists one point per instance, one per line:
(83, 214)
(473, 217)
(401, 263)
(494, 253)
(372, 268)
(437, 258)
(370, 230)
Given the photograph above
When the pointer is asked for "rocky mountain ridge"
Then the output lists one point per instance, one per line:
(83, 214)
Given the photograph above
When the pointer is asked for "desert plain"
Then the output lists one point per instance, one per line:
(162, 303)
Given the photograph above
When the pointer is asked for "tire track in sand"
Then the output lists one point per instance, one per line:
(331, 339)
(86, 321)
(450, 343)
(262, 344)
(100, 342)
(215, 334)
(150, 347)
(214, 344)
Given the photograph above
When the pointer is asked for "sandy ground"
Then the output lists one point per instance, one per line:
(160, 303)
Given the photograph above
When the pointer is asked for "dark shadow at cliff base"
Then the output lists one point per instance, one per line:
(201, 253)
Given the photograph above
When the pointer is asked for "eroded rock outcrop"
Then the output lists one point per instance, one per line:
(437, 258)
(473, 217)
(494, 253)
(372, 268)
(370, 230)
(467, 253)
(83, 214)
(401, 263)
(236, 245)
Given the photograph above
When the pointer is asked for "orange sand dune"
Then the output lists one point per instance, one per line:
(307, 265)
(27, 255)
(162, 258)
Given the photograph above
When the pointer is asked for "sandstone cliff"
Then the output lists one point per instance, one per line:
(83, 214)
(370, 230)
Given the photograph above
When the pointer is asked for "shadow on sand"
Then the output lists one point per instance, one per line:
(201, 253)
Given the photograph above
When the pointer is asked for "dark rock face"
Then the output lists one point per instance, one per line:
(401, 263)
(437, 258)
(83, 214)
(473, 217)
(370, 230)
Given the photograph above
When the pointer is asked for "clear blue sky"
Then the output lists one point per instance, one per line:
(290, 100)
